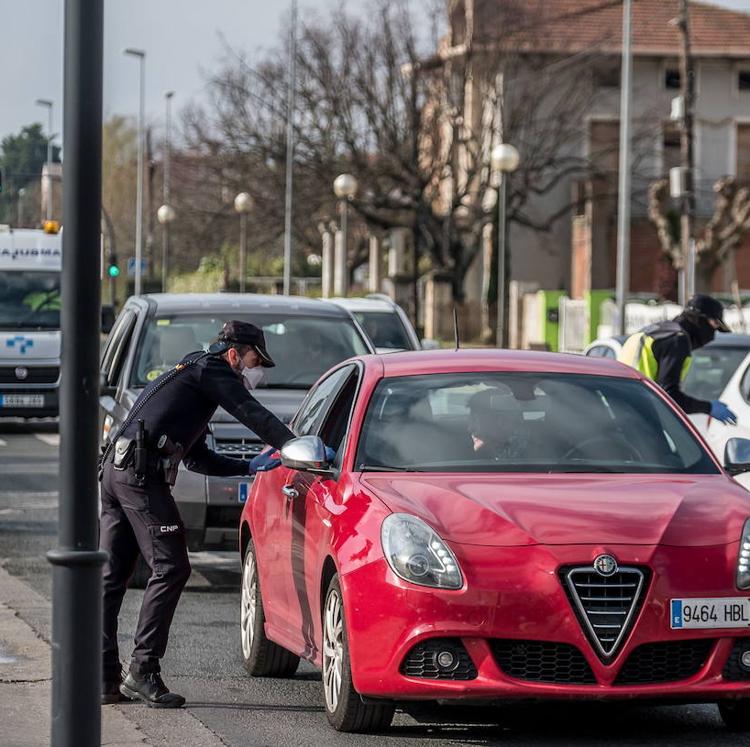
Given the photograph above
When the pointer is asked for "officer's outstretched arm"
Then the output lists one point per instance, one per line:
(206, 462)
(671, 354)
(223, 386)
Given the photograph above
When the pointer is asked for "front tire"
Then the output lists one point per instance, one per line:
(261, 656)
(735, 714)
(344, 707)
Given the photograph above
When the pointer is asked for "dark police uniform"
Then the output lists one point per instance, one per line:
(139, 513)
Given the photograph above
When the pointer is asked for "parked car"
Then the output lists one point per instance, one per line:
(385, 323)
(498, 525)
(609, 347)
(153, 332)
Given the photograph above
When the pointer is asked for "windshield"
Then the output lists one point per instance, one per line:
(303, 347)
(29, 300)
(711, 369)
(384, 329)
(524, 422)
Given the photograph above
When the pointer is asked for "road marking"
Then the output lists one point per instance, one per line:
(51, 439)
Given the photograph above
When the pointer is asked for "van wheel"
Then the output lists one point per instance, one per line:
(262, 657)
(344, 708)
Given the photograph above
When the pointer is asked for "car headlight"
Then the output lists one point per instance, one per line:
(743, 562)
(417, 554)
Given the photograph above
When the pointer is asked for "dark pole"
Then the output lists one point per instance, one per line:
(76, 574)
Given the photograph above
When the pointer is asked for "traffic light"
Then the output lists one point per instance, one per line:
(113, 270)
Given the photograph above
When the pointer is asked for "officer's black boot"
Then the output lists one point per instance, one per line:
(149, 688)
(111, 692)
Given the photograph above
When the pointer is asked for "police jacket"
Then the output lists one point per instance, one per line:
(182, 401)
(663, 353)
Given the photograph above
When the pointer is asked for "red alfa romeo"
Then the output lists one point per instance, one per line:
(498, 525)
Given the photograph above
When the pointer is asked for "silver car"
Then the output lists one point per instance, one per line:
(305, 337)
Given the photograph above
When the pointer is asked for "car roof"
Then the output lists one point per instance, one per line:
(411, 363)
(364, 304)
(226, 303)
(730, 340)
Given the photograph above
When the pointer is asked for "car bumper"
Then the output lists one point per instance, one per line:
(513, 598)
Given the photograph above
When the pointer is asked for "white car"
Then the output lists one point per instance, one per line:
(385, 323)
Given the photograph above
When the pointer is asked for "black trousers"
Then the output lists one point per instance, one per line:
(141, 519)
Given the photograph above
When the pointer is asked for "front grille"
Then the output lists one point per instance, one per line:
(422, 661)
(667, 661)
(734, 671)
(605, 605)
(223, 516)
(34, 375)
(238, 447)
(542, 661)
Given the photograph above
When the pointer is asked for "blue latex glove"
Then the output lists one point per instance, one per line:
(720, 412)
(264, 462)
(330, 455)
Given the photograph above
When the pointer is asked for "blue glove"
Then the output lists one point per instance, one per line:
(330, 455)
(264, 462)
(720, 412)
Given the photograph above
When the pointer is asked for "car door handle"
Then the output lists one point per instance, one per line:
(290, 492)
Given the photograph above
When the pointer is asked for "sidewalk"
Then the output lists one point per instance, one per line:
(26, 681)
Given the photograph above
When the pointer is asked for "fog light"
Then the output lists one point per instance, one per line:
(745, 659)
(446, 659)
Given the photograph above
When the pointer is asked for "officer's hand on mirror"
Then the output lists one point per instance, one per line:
(720, 412)
(330, 455)
(265, 461)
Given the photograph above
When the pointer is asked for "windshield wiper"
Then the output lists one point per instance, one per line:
(383, 468)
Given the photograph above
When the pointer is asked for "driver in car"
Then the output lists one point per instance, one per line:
(496, 426)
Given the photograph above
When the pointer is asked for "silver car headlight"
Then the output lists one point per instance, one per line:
(417, 554)
(743, 562)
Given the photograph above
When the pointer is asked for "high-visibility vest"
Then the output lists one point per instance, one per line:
(637, 351)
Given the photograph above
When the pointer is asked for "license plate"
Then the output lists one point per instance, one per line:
(724, 612)
(243, 490)
(21, 400)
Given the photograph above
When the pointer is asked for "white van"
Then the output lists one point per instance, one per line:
(30, 269)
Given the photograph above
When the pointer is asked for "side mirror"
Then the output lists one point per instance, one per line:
(737, 456)
(306, 453)
(108, 318)
(428, 344)
(105, 388)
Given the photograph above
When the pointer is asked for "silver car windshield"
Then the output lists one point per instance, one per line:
(524, 422)
(384, 329)
(303, 347)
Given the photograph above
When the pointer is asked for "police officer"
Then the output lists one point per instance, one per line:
(663, 352)
(168, 424)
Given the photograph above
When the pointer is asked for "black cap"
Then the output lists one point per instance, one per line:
(709, 307)
(243, 333)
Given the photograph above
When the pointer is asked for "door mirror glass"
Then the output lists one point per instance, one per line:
(105, 388)
(306, 453)
(108, 318)
(737, 456)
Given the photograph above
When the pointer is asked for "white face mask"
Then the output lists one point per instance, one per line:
(252, 377)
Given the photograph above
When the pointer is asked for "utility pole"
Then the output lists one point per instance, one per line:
(623, 209)
(687, 83)
(77, 561)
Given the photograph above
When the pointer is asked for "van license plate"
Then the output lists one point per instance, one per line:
(21, 400)
(723, 612)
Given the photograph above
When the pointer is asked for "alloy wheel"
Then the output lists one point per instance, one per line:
(333, 650)
(249, 603)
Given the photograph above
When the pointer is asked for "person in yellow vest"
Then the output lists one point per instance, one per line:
(663, 352)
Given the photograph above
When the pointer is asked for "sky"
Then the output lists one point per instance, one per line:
(182, 38)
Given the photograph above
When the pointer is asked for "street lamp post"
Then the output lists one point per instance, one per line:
(505, 160)
(141, 56)
(48, 105)
(345, 188)
(166, 214)
(243, 204)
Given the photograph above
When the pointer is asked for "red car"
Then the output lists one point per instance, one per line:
(498, 525)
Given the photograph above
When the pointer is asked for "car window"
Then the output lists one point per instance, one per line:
(601, 351)
(114, 353)
(317, 402)
(711, 369)
(525, 422)
(30, 299)
(303, 347)
(335, 424)
(384, 328)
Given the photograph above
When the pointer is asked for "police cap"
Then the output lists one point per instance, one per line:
(709, 307)
(236, 332)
